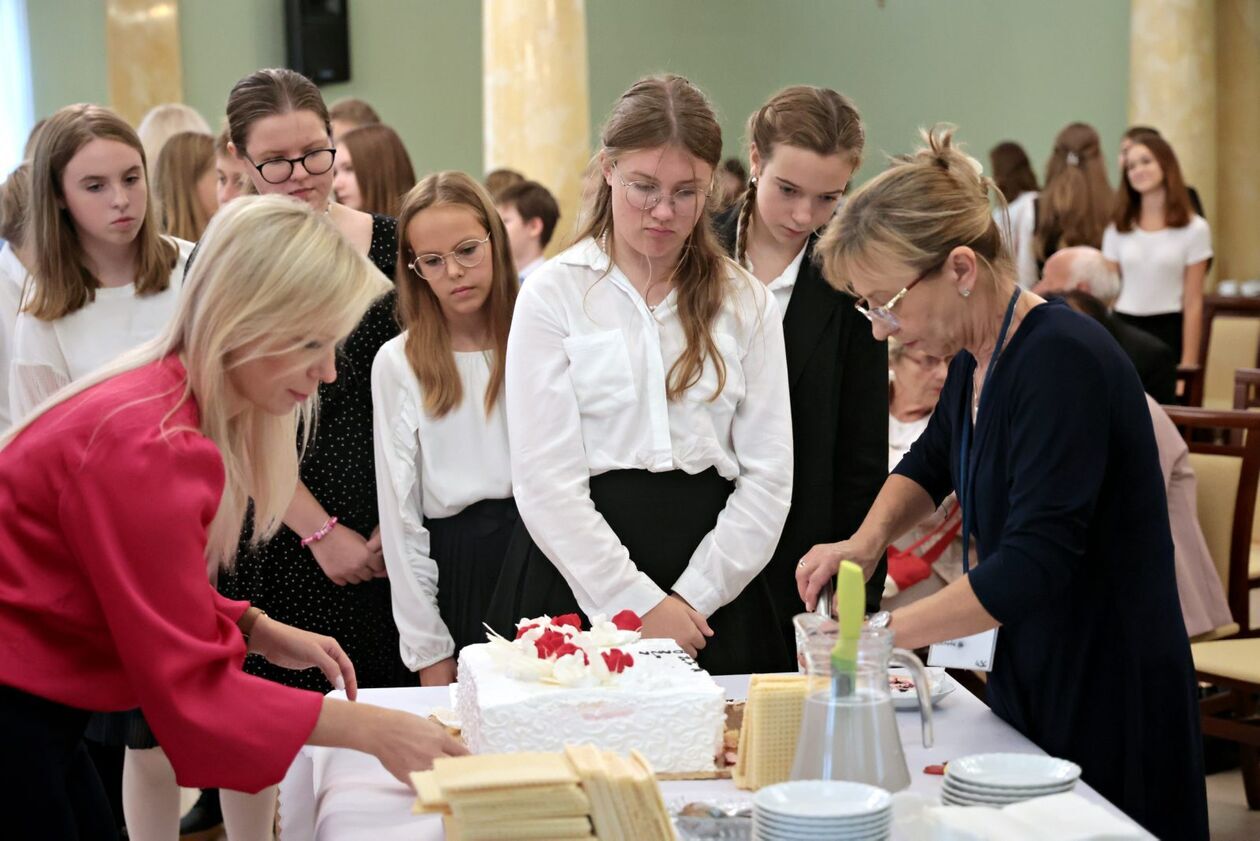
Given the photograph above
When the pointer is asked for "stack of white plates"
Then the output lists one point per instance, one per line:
(999, 779)
(809, 809)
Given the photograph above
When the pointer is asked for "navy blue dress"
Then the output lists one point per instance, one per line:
(1092, 660)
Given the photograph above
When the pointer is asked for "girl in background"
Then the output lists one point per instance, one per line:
(1161, 248)
(444, 477)
(162, 122)
(104, 278)
(1075, 204)
(647, 399)
(804, 145)
(1015, 179)
(373, 171)
(185, 183)
(231, 179)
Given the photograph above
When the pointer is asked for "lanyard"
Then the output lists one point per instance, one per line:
(964, 450)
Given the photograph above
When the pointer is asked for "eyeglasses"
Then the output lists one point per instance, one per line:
(469, 254)
(279, 170)
(643, 195)
(884, 315)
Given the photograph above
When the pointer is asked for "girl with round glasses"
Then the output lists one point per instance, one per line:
(444, 476)
(648, 404)
(323, 571)
(1044, 432)
(804, 145)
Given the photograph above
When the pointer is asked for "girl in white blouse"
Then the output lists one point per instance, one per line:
(1161, 248)
(647, 401)
(104, 279)
(443, 473)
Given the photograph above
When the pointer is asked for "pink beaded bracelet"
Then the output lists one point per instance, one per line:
(321, 533)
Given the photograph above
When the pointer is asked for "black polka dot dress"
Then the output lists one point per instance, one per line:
(283, 578)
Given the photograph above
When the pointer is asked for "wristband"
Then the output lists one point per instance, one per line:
(248, 620)
(321, 533)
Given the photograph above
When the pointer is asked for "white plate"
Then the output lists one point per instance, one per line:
(822, 799)
(762, 833)
(1013, 770)
(963, 787)
(788, 824)
(908, 699)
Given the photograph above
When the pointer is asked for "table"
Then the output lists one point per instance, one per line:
(332, 794)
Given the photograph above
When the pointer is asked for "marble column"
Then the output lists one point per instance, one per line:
(1172, 83)
(1237, 219)
(536, 100)
(143, 54)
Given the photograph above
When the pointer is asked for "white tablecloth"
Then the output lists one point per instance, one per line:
(331, 794)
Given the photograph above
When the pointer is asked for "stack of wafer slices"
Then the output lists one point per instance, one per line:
(582, 793)
(772, 725)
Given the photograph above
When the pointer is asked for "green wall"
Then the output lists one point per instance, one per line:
(1000, 69)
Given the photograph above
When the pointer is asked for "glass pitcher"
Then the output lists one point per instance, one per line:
(855, 737)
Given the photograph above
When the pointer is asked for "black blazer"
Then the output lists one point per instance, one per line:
(838, 381)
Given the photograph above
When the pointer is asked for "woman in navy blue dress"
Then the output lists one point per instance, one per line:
(1043, 431)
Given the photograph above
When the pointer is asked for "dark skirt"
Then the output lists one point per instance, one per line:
(48, 786)
(660, 518)
(1166, 327)
(121, 729)
(468, 548)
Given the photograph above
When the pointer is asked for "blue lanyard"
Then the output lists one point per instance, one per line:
(964, 450)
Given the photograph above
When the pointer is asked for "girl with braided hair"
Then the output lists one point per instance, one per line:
(804, 145)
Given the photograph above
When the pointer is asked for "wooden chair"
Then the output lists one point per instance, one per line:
(1227, 475)
(1247, 396)
(1238, 345)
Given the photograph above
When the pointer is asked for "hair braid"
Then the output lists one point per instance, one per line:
(746, 205)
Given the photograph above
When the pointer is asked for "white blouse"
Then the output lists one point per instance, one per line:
(1020, 235)
(783, 285)
(1153, 264)
(12, 276)
(429, 467)
(48, 355)
(586, 394)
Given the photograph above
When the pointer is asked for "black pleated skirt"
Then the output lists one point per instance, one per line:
(1166, 327)
(660, 518)
(121, 729)
(469, 548)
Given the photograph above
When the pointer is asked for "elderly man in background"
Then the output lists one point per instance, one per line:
(1085, 270)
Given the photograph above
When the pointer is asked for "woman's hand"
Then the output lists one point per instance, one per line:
(406, 743)
(293, 648)
(673, 618)
(374, 545)
(347, 558)
(821, 563)
(441, 673)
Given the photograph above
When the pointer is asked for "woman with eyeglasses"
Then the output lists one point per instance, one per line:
(805, 143)
(443, 471)
(1043, 431)
(323, 571)
(648, 405)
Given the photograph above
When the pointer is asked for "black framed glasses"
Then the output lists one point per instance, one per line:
(644, 195)
(470, 253)
(279, 170)
(884, 315)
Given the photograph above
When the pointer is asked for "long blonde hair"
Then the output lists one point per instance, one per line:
(62, 281)
(184, 159)
(819, 120)
(670, 111)
(917, 211)
(428, 343)
(269, 275)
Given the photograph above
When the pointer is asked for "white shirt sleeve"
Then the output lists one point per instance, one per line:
(749, 527)
(1199, 241)
(550, 474)
(413, 575)
(38, 369)
(1111, 243)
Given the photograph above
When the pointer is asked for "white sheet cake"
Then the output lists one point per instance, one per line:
(664, 705)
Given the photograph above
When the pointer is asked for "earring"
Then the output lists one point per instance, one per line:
(966, 293)
(753, 181)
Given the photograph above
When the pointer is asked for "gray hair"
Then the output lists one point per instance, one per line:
(1089, 267)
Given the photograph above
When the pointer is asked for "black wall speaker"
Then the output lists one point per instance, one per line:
(317, 34)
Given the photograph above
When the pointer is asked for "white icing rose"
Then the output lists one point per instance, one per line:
(571, 670)
(607, 635)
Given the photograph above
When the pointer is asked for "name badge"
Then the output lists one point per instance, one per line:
(973, 652)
